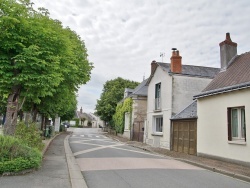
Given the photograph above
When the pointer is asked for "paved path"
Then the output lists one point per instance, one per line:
(53, 173)
(107, 163)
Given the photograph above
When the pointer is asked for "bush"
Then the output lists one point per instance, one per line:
(16, 156)
(119, 116)
(30, 135)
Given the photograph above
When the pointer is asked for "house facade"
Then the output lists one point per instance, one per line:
(134, 122)
(171, 87)
(224, 109)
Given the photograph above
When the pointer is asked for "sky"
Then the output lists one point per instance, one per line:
(123, 37)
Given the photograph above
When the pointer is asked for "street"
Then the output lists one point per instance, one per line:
(107, 163)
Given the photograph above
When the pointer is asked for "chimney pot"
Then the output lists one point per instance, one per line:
(176, 65)
(228, 37)
(153, 67)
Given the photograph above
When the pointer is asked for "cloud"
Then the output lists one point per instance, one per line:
(123, 37)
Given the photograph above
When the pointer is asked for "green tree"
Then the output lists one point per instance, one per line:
(112, 93)
(36, 55)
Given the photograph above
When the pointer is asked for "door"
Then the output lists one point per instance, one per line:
(184, 137)
(138, 131)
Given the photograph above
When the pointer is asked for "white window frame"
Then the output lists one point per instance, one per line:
(158, 96)
(240, 131)
(154, 124)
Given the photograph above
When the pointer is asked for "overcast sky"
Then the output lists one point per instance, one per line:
(124, 36)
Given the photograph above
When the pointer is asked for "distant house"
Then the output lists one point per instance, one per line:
(224, 108)
(96, 121)
(171, 87)
(85, 119)
(134, 122)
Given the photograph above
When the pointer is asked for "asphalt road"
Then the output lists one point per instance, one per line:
(106, 163)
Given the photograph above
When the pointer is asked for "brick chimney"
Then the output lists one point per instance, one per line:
(176, 66)
(81, 110)
(153, 66)
(228, 50)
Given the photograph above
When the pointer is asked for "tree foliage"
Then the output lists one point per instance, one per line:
(40, 60)
(112, 93)
(119, 116)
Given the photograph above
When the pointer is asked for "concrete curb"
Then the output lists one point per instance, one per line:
(76, 178)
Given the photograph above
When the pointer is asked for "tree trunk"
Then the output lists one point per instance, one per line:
(34, 113)
(42, 123)
(21, 115)
(12, 111)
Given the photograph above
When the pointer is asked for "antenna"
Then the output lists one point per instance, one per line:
(162, 55)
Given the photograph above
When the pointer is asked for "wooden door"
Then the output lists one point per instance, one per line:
(138, 131)
(184, 137)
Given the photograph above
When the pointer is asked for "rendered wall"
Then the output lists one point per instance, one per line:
(184, 88)
(212, 133)
(166, 96)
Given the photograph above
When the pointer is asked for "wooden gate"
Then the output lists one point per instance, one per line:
(138, 131)
(185, 136)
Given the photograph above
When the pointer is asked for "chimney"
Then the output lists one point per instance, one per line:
(176, 66)
(228, 50)
(153, 66)
(81, 110)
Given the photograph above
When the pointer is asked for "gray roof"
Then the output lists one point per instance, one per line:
(190, 112)
(235, 77)
(129, 90)
(192, 70)
(141, 89)
(87, 116)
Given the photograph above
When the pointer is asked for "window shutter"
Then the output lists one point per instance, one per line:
(229, 124)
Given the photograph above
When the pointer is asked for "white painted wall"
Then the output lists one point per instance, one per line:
(212, 136)
(184, 88)
(166, 96)
(177, 92)
(57, 124)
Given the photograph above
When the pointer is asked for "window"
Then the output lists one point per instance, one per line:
(158, 96)
(158, 124)
(236, 123)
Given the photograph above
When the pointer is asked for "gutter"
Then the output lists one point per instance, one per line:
(223, 90)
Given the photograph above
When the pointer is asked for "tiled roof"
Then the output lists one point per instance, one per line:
(189, 112)
(141, 89)
(87, 116)
(193, 70)
(236, 76)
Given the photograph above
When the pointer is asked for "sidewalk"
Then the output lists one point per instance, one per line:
(53, 173)
(226, 168)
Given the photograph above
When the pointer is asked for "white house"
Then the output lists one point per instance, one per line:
(223, 109)
(171, 87)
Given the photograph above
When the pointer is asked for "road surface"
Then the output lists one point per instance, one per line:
(106, 163)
